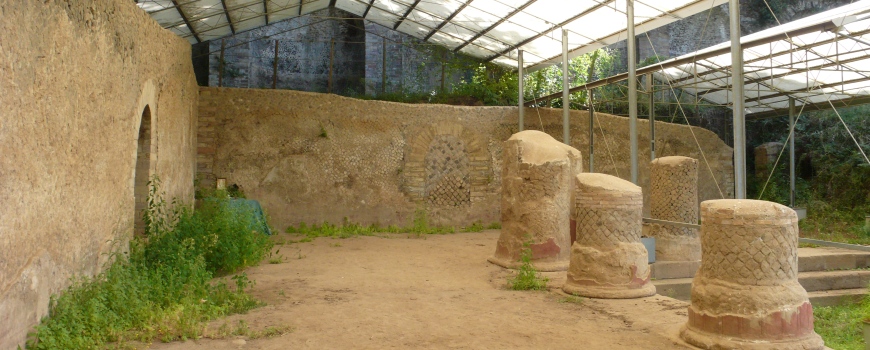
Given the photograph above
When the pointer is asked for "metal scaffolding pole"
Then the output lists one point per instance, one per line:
(221, 63)
(737, 93)
(566, 102)
(275, 67)
(522, 111)
(652, 117)
(591, 130)
(791, 176)
(632, 88)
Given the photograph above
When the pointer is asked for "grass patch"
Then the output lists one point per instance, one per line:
(477, 226)
(827, 223)
(841, 326)
(494, 226)
(527, 277)
(162, 289)
(419, 226)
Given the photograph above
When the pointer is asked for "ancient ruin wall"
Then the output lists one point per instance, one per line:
(75, 77)
(317, 157)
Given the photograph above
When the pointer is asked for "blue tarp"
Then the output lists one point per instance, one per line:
(255, 208)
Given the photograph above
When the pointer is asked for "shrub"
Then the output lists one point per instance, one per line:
(162, 288)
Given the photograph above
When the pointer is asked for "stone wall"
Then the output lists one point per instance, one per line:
(75, 78)
(315, 157)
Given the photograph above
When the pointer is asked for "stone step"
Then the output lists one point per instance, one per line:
(837, 297)
(833, 280)
(840, 285)
(809, 259)
(826, 259)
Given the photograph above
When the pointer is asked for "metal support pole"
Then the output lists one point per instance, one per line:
(566, 100)
(331, 62)
(442, 77)
(275, 68)
(791, 176)
(737, 93)
(221, 64)
(384, 68)
(652, 117)
(521, 87)
(632, 89)
(591, 129)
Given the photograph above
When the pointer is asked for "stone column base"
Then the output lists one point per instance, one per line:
(609, 274)
(717, 342)
(779, 330)
(609, 292)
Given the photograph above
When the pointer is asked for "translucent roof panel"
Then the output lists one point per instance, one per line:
(817, 61)
(491, 30)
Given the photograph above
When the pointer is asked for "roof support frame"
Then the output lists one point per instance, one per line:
(186, 21)
(426, 26)
(229, 19)
(402, 19)
(218, 13)
(446, 20)
(552, 28)
(242, 20)
(496, 24)
(266, 9)
(824, 26)
(371, 3)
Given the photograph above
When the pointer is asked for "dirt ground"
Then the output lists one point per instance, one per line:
(431, 292)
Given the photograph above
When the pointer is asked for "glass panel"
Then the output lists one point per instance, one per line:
(352, 6)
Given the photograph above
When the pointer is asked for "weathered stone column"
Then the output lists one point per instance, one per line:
(608, 260)
(536, 196)
(674, 197)
(746, 294)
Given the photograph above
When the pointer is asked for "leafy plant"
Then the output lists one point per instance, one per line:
(527, 277)
(162, 289)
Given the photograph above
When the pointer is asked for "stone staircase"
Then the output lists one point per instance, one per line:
(831, 276)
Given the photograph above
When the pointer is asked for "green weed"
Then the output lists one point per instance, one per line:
(162, 288)
(276, 258)
(477, 226)
(494, 226)
(527, 277)
(419, 226)
(572, 299)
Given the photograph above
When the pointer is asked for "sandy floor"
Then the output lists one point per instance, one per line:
(435, 292)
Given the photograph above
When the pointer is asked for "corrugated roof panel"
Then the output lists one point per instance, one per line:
(442, 9)
(414, 29)
(518, 21)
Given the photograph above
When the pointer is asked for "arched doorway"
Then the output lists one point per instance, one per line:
(143, 170)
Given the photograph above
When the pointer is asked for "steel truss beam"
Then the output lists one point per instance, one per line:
(186, 22)
(446, 20)
(496, 24)
(402, 19)
(549, 30)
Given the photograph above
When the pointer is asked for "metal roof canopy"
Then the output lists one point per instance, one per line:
(821, 58)
(491, 30)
